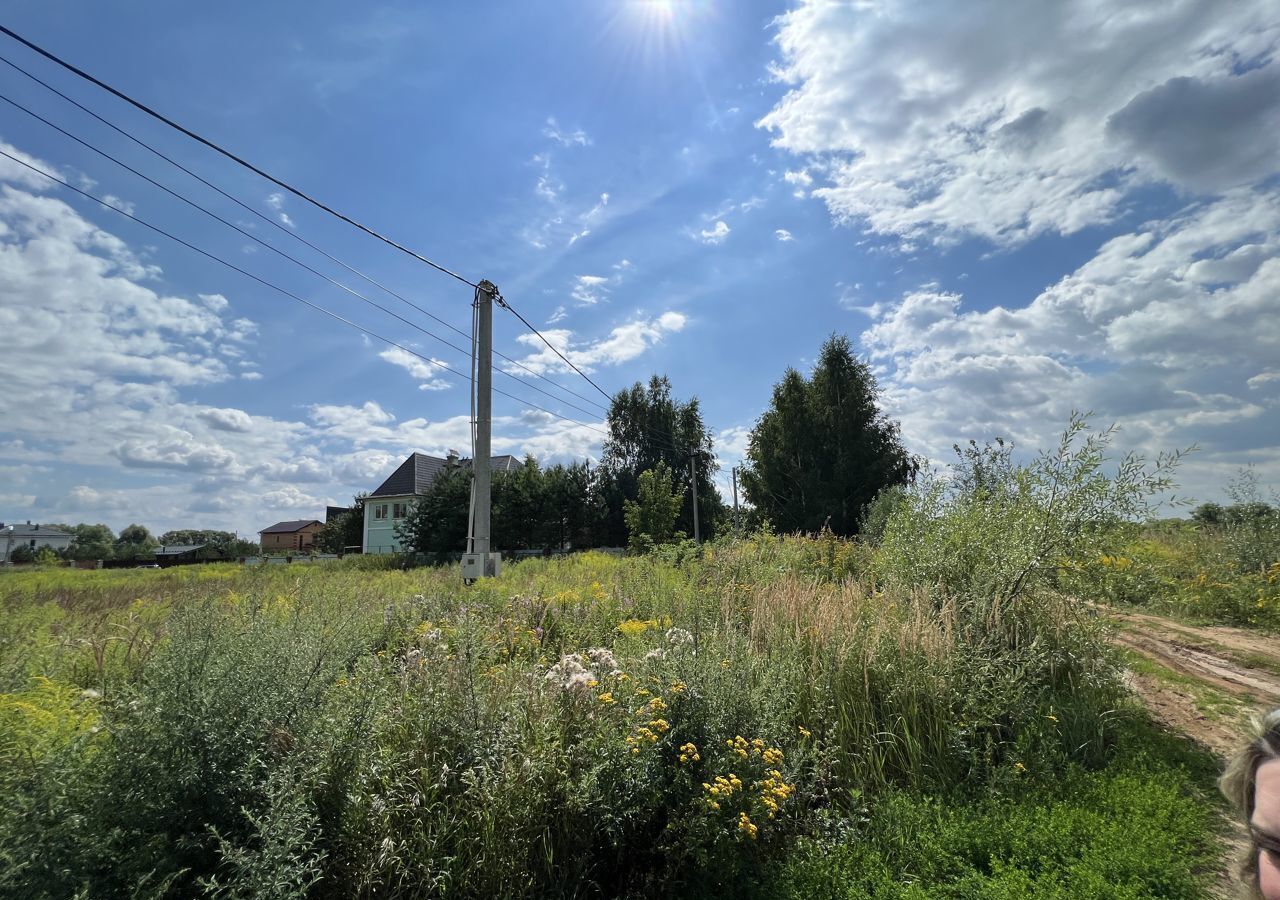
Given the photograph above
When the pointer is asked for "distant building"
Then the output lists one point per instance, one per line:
(390, 504)
(298, 535)
(181, 554)
(335, 512)
(33, 536)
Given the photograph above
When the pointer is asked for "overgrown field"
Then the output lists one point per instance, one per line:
(1225, 573)
(773, 717)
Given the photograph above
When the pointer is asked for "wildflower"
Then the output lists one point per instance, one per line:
(772, 756)
(571, 675)
(724, 664)
(657, 704)
(1020, 767)
(591, 682)
(659, 725)
(642, 693)
(689, 753)
(654, 655)
(679, 637)
(633, 627)
(677, 687)
(602, 659)
(606, 698)
(746, 826)
(1052, 718)
(805, 732)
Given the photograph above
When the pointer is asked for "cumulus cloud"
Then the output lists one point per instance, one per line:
(783, 235)
(1178, 352)
(624, 343)
(1206, 133)
(227, 419)
(943, 121)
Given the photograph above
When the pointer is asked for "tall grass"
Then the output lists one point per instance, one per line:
(331, 733)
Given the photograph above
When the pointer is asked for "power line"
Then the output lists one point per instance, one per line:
(229, 155)
(269, 246)
(502, 301)
(275, 287)
(291, 233)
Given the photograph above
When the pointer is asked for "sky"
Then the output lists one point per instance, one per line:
(1014, 211)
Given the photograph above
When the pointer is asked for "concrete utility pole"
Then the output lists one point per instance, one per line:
(479, 562)
(737, 523)
(693, 482)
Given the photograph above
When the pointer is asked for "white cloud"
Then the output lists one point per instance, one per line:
(945, 121)
(1170, 330)
(783, 235)
(716, 234)
(422, 369)
(575, 138)
(624, 343)
(588, 290)
(227, 419)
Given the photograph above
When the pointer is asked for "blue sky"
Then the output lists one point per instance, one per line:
(1013, 215)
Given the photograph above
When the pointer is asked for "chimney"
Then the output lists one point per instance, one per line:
(451, 456)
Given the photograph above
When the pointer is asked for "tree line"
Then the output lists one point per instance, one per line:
(135, 543)
(817, 458)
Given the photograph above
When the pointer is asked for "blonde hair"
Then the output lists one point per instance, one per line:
(1239, 786)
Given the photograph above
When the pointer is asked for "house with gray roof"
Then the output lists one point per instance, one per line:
(34, 536)
(390, 504)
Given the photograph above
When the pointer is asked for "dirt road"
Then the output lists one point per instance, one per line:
(1203, 681)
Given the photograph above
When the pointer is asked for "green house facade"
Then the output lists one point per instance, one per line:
(391, 503)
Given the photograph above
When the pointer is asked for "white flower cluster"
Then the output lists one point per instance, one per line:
(678, 638)
(577, 672)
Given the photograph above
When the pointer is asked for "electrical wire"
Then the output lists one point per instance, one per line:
(279, 227)
(271, 247)
(502, 301)
(307, 198)
(262, 281)
(228, 154)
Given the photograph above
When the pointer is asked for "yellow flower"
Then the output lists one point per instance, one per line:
(1052, 718)
(772, 756)
(677, 687)
(746, 826)
(607, 698)
(660, 726)
(593, 683)
(805, 732)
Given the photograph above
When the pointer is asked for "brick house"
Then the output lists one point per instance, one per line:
(297, 536)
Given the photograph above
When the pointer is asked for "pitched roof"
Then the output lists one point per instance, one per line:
(289, 527)
(415, 474)
(178, 549)
(34, 531)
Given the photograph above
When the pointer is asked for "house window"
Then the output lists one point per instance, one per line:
(400, 511)
(380, 511)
